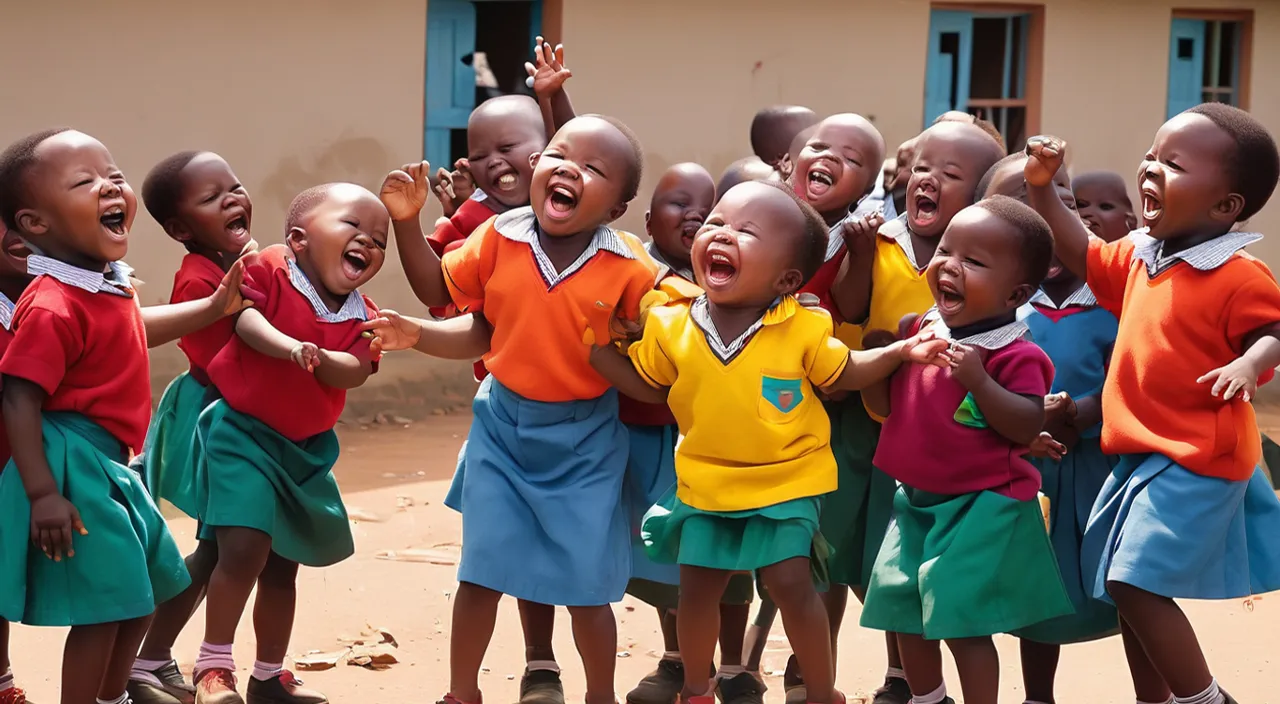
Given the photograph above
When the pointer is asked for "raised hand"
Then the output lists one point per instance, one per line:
(548, 73)
(1047, 155)
(860, 234)
(227, 299)
(404, 191)
(453, 188)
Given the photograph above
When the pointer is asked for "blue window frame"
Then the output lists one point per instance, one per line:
(1205, 61)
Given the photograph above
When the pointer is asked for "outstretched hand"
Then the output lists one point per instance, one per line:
(547, 73)
(1047, 155)
(453, 188)
(925, 348)
(391, 331)
(1239, 377)
(227, 299)
(405, 190)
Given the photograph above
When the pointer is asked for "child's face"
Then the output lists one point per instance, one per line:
(906, 157)
(1183, 180)
(13, 255)
(746, 255)
(498, 150)
(681, 202)
(1105, 207)
(342, 242)
(81, 205)
(213, 210)
(976, 273)
(837, 165)
(950, 160)
(578, 180)
(1010, 181)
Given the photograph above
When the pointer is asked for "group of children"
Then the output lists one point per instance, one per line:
(827, 372)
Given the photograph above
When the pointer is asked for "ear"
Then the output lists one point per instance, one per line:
(784, 167)
(1228, 209)
(789, 282)
(1021, 295)
(619, 210)
(30, 221)
(533, 159)
(178, 230)
(296, 239)
(646, 224)
(1131, 221)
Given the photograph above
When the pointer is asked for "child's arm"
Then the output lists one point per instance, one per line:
(1261, 355)
(340, 370)
(1017, 417)
(876, 395)
(465, 337)
(866, 367)
(53, 517)
(618, 370)
(1070, 237)
(168, 322)
(404, 192)
(547, 79)
(851, 289)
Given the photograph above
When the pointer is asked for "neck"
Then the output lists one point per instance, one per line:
(836, 216)
(1061, 289)
(1181, 243)
(13, 286)
(222, 259)
(72, 257)
(331, 300)
(574, 244)
(732, 321)
(980, 326)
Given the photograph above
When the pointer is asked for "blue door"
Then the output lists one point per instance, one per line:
(946, 83)
(451, 84)
(1186, 64)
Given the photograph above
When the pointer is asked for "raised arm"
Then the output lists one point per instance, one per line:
(171, 321)
(851, 289)
(465, 337)
(404, 192)
(620, 372)
(1070, 237)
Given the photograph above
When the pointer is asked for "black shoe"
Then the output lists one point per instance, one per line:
(541, 687)
(793, 683)
(895, 691)
(146, 693)
(661, 686)
(281, 689)
(742, 688)
(173, 687)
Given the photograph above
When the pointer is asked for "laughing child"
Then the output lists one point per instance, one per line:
(77, 399)
(967, 555)
(265, 447)
(13, 281)
(749, 355)
(1187, 512)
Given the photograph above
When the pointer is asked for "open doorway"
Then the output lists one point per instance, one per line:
(476, 49)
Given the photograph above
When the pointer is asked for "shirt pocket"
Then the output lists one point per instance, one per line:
(781, 395)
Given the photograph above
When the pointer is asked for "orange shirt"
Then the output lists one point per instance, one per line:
(1181, 316)
(539, 315)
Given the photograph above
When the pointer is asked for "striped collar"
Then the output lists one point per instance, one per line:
(684, 272)
(897, 230)
(994, 339)
(835, 238)
(115, 280)
(352, 309)
(781, 310)
(1083, 297)
(520, 225)
(479, 196)
(6, 312)
(1205, 256)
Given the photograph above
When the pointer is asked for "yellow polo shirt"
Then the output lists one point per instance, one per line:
(898, 284)
(755, 433)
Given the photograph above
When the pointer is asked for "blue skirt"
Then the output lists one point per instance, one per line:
(548, 480)
(1167, 530)
(453, 499)
(1072, 485)
(651, 473)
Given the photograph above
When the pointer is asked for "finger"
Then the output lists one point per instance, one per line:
(1209, 377)
(1233, 388)
(67, 548)
(1247, 395)
(560, 54)
(1219, 385)
(375, 347)
(77, 525)
(531, 70)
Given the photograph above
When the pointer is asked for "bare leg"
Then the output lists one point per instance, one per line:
(1166, 636)
(1039, 668)
(4, 646)
(539, 623)
(922, 660)
(274, 608)
(836, 601)
(475, 610)
(242, 553)
(172, 616)
(806, 622)
(733, 628)
(129, 635)
(670, 636)
(1148, 685)
(699, 624)
(757, 639)
(85, 659)
(979, 667)
(595, 632)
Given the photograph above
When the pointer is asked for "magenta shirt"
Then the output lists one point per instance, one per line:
(924, 446)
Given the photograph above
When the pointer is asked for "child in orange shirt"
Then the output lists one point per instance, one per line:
(1187, 512)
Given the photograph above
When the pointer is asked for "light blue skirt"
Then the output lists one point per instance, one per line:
(1071, 486)
(453, 499)
(651, 473)
(547, 478)
(1167, 530)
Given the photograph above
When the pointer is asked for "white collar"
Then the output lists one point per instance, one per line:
(1205, 256)
(994, 339)
(352, 309)
(1082, 297)
(897, 230)
(520, 225)
(6, 312)
(684, 272)
(115, 280)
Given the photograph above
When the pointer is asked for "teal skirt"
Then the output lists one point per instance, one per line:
(126, 564)
(249, 476)
(856, 515)
(737, 541)
(963, 567)
(166, 456)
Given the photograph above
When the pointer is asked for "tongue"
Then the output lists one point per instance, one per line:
(818, 188)
(560, 206)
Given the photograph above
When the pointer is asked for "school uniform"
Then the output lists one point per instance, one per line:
(861, 507)
(79, 335)
(1187, 512)
(1078, 336)
(967, 554)
(546, 450)
(756, 454)
(265, 446)
(165, 462)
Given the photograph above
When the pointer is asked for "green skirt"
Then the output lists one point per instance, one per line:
(856, 515)
(964, 566)
(737, 541)
(249, 476)
(667, 596)
(166, 456)
(127, 563)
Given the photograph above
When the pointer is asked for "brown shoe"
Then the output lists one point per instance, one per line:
(217, 685)
(662, 686)
(793, 683)
(173, 688)
(894, 691)
(284, 688)
(541, 687)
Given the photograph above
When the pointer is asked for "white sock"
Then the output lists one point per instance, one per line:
(263, 671)
(673, 655)
(145, 671)
(895, 673)
(728, 672)
(6, 680)
(122, 699)
(1167, 701)
(215, 656)
(548, 665)
(1212, 695)
(937, 696)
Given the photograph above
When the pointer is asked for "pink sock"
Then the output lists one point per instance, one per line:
(214, 656)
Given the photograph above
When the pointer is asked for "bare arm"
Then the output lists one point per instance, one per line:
(1088, 412)
(22, 402)
(866, 367)
(876, 398)
(262, 336)
(171, 321)
(851, 289)
(342, 370)
(1016, 417)
(1070, 237)
(561, 111)
(618, 370)
(404, 192)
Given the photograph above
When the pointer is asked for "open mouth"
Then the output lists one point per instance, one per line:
(1151, 207)
(238, 228)
(820, 180)
(561, 202)
(926, 210)
(113, 220)
(17, 249)
(950, 299)
(355, 263)
(720, 269)
(507, 181)
(689, 233)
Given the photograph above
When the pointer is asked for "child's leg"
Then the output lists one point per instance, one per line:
(595, 632)
(475, 610)
(4, 652)
(129, 635)
(172, 616)
(979, 668)
(836, 600)
(667, 620)
(1039, 668)
(1148, 685)
(758, 633)
(804, 617)
(273, 614)
(733, 629)
(699, 624)
(663, 685)
(242, 554)
(85, 658)
(540, 683)
(922, 661)
(1166, 636)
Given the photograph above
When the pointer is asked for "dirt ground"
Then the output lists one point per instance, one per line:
(395, 478)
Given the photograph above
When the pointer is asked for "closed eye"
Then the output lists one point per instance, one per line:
(975, 262)
(353, 223)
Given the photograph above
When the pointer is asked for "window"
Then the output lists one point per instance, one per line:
(986, 64)
(1209, 59)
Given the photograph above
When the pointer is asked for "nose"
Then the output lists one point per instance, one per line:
(1152, 169)
(568, 170)
(109, 188)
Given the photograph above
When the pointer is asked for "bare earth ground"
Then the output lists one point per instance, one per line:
(385, 468)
